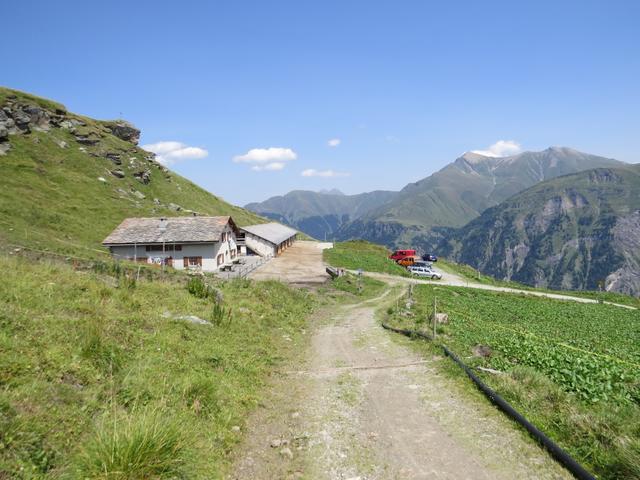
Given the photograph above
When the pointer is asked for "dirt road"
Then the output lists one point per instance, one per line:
(300, 264)
(453, 280)
(363, 405)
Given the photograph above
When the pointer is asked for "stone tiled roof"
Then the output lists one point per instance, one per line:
(169, 230)
(272, 232)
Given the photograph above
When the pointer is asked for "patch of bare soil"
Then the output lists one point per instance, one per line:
(364, 406)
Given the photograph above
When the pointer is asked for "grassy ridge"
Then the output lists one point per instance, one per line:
(572, 368)
(95, 373)
(356, 254)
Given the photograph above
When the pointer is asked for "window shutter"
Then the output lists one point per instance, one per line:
(185, 262)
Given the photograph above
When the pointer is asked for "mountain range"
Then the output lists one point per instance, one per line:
(556, 218)
(320, 214)
(424, 212)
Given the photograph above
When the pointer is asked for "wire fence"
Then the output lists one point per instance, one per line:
(242, 270)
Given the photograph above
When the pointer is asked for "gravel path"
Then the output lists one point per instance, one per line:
(301, 264)
(363, 405)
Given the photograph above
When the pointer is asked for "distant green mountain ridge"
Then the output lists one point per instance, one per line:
(68, 180)
(578, 231)
(319, 214)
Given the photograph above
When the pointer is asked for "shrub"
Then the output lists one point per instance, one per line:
(219, 313)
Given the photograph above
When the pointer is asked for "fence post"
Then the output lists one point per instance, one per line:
(435, 313)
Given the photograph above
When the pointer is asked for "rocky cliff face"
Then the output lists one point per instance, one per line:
(574, 232)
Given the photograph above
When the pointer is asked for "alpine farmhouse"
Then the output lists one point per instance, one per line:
(201, 243)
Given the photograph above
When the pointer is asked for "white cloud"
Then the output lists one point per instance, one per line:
(272, 158)
(169, 153)
(502, 148)
(312, 172)
(334, 142)
(266, 155)
(273, 166)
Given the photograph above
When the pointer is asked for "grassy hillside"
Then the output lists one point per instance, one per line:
(573, 369)
(359, 254)
(99, 380)
(51, 195)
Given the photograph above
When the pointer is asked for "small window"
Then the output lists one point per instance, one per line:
(220, 259)
(192, 262)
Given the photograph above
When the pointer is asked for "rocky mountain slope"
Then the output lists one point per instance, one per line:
(426, 211)
(320, 214)
(68, 180)
(572, 232)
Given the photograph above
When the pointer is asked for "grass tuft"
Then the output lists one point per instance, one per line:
(136, 446)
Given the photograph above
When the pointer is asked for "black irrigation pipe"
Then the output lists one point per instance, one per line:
(556, 452)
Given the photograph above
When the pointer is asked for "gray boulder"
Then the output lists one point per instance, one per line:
(38, 117)
(22, 120)
(125, 131)
(143, 177)
(117, 173)
(114, 157)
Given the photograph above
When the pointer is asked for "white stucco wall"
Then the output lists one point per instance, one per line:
(208, 251)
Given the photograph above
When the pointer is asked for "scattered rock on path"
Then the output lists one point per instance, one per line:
(286, 452)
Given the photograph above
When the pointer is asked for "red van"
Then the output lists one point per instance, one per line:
(402, 254)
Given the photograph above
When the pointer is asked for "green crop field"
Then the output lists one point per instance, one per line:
(572, 368)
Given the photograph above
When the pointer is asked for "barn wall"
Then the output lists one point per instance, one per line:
(259, 245)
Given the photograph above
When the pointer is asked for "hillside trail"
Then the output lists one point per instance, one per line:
(362, 405)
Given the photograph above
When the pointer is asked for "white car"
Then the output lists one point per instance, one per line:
(425, 272)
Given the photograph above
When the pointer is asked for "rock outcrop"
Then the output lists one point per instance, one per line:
(124, 131)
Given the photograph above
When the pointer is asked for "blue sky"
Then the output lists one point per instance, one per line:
(405, 87)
